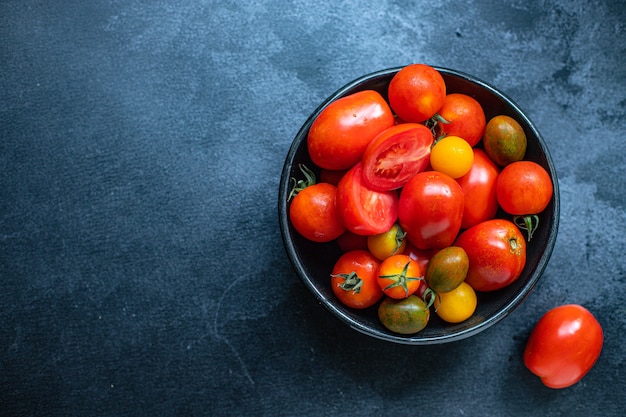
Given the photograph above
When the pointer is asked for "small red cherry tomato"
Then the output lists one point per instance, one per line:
(313, 213)
(399, 276)
(497, 254)
(362, 210)
(416, 92)
(524, 187)
(430, 210)
(354, 279)
(465, 117)
(341, 132)
(479, 189)
(395, 155)
(564, 345)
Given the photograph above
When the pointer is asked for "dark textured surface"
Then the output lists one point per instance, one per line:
(141, 263)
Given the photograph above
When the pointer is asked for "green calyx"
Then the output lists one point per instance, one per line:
(299, 185)
(529, 222)
(401, 279)
(351, 282)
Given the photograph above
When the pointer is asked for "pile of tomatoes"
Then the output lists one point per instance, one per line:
(409, 188)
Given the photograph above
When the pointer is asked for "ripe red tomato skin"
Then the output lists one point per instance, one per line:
(524, 187)
(314, 215)
(339, 135)
(416, 92)
(479, 189)
(361, 210)
(365, 265)
(430, 210)
(497, 254)
(564, 345)
(395, 155)
(465, 116)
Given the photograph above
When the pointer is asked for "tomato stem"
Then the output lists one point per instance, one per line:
(352, 282)
(529, 222)
(299, 185)
(432, 125)
(430, 295)
(401, 280)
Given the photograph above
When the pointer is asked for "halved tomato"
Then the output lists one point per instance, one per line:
(362, 210)
(395, 155)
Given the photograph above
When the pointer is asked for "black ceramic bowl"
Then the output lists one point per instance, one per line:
(313, 262)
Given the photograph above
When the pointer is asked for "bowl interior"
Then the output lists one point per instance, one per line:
(313, 262)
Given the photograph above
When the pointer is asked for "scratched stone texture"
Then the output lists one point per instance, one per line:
(142, 270)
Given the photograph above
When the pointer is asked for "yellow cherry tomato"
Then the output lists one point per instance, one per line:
(386, 244)
(457, 305)
(453, 156)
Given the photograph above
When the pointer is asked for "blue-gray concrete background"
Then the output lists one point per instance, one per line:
(142, 270)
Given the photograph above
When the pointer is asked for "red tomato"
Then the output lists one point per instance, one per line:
(395, 155)
(354, 279)
(465, 116)
(430, 210)
(497, 254)
(564, 345)
(399, 276)
(313, 213)
(416, 92)
(362, 210)
(341, 132)
(524, 187)
(479, 189)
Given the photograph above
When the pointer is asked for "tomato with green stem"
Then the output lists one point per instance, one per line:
(386, 244)
(399, 276)
(497, 254)
(312, 210)
(354, 279)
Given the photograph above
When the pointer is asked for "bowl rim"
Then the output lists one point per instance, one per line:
(416, 339)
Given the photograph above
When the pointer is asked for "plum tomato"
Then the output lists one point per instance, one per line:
(399, 276)
(457, 305)
(447, 269)
(354, 279)
(362, 210)
(564, 345)
(524, 187)
(452, 155)
(313, 213)
(416, 92)
(504, 140)
(430, 210)
(386, 244)
(340, 133)
(464, 117)
(395, 155)
(479, 190)
(497, 254)
(405, 316)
